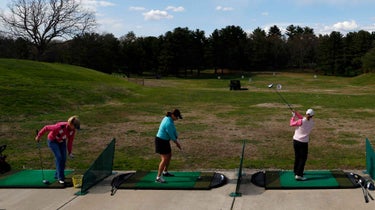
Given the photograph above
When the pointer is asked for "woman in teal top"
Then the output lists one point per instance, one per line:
(166, 133)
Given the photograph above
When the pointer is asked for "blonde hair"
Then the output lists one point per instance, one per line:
(73, 120)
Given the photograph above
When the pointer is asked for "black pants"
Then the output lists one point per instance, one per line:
(300, 156)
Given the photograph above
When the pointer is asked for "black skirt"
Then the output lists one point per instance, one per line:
(162, 146)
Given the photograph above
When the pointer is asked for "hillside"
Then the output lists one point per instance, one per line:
(29, 88)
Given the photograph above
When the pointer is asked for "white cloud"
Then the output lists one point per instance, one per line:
(94, 4)
(113, 23)
(105, 4)
(156, 15)
(175, 9)
(221, 8)
(345, 26)
(331, 2)
(110, 25)
(137, 8)
(265, 14)
(370, 28)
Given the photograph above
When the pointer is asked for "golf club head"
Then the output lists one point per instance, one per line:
(370, 185)
(361, 181)
(355, 177)
(278, 86)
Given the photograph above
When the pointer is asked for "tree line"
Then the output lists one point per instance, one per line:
(182, 51)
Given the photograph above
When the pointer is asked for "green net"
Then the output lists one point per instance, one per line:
(370, 159)
(100, 169)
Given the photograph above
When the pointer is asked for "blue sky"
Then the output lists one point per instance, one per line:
(156, 17)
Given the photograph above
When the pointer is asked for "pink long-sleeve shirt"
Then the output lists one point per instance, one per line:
(59, 132)
(304, 127)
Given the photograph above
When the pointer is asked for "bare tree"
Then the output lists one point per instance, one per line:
(41, 21)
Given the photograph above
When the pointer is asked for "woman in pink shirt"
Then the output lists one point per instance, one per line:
(60, 140)
(304, 125)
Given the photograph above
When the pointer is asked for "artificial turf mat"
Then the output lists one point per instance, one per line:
(316, 179)
(180, 180)
(34, 179)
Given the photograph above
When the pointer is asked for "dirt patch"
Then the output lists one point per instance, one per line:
(276, 105)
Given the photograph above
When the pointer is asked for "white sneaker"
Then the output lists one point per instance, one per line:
(300, 178)
(160, 180)
(61, 181)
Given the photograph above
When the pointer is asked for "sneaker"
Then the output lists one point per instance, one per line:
(300, 178)
(61, 181)
(160, 180)
(166, 173)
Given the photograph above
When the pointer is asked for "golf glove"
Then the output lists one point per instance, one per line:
(71, 155)
(293, 114)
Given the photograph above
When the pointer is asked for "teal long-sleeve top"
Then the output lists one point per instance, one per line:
(167, 130)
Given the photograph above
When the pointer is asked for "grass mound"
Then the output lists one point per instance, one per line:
(29, 88)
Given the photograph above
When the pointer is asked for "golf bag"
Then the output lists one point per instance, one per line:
(4, 166)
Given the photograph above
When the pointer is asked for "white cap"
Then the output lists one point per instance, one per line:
(310, 112)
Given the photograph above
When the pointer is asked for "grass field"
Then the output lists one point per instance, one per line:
(216, 120)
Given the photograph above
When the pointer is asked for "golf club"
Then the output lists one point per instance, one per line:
(278, 87)
(369, 185)
(358, 179)
(365, 194)
(41, 162)
(369, 195)
(189, 163)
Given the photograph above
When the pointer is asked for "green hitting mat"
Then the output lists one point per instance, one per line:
(180, 180)
(316, 179)
(34, 179)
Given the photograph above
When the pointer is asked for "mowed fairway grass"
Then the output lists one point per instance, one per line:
(216, 120)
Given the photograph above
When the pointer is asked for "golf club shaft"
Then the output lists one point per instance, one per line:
(188, 162)
(364, 192)
(369, 195)
(186, 159)
(284, 100)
